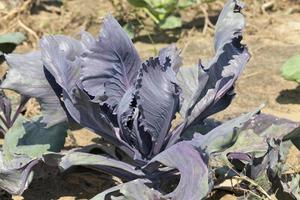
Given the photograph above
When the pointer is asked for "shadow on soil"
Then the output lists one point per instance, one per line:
(78, 182)
(289, 96)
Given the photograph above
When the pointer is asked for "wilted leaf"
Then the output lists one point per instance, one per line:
(268, 146)
(291, 186)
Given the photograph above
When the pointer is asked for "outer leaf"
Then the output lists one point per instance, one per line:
(194, 177)
(14, 38)
(100, 163)
(111, 64)
(265, 149)
(60, 56)
(269, 126)
(26, 76)
(223, 136)
(291, 69)
(224, 68)
(33, 139)
(16, 174)
(134, 190)
(138, 190)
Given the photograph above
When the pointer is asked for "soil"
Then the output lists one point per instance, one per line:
(272, 37)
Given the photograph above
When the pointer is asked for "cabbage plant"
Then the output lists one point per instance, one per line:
(103, 85)
(160, 11)
(164, 13)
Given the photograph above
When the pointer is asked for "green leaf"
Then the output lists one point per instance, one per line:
(291, 69)
(171, 22)
(33, 139)
(166, 5)
(156, 9)
(14, 38)
(186, 4)
(138, 3)
(9, 41)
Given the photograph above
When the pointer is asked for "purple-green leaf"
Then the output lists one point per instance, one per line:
(134, 190)
(26, 76)
(224, 135)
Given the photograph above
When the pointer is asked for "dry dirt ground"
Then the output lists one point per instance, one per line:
(272, 37)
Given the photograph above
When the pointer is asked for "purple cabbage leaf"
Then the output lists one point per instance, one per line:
(213, 89)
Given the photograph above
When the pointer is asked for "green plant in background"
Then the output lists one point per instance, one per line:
(164, 12)
(291, 69)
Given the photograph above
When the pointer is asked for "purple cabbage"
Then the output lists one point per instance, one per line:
(103, 85)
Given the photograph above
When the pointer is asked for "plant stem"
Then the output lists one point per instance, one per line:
(151, 15)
